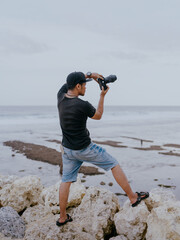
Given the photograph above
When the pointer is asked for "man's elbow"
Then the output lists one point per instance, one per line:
(97, 116)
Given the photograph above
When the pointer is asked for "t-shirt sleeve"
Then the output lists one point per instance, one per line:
(89, 109)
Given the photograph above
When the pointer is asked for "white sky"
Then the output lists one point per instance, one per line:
(42, 41)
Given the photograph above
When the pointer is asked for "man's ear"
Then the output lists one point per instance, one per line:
(78, 86)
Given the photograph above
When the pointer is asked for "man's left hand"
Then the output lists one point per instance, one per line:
(95, 76)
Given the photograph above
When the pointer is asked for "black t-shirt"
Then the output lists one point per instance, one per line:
(73, 114)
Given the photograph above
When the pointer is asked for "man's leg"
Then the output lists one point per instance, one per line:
(121, 179)
(98, 156)
(63, 199)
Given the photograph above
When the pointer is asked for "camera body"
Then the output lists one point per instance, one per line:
(104, 81)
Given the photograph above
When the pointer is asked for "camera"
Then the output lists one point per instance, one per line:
(104, 81)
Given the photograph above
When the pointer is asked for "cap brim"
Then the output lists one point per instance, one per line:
(89, 79)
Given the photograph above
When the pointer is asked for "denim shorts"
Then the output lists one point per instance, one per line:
(73, 159)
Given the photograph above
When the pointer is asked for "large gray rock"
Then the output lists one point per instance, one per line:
(21, 193)
(11, 224)
(131, 222)
(2, 237)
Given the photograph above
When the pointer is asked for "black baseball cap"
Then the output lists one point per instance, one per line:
(75, 78)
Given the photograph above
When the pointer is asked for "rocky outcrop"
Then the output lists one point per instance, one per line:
(131, 222)
(119, 237)
(156, 218)
(33, 214)
(50, 196)
(159, 197)
(96, 212)
(4, 180)
(164, 222)
(11, 224)
(45, 228)
(92, 219)
(22, 193)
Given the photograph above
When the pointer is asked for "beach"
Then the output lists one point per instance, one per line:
(145, 141)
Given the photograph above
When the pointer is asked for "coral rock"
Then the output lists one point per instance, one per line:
(46, 229)
(35, 213)
(50, 196)
(4, 180)
(119, 237)
(158, 197)
(95, 214)
(22, 193)
(164, 222)
(92, 219)
(131, 222)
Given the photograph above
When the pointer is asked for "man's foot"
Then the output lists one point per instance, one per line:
(138, 197)
(61, 222)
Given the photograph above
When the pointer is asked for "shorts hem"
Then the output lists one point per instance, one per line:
(70, 180)
(115, 164)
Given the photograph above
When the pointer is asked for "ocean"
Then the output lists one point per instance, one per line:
(134, 126)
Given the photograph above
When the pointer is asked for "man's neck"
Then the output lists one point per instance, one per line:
(71, 94)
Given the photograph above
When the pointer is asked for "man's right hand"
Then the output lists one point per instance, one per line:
(103, 92)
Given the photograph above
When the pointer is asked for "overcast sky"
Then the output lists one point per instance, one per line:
(42, 41)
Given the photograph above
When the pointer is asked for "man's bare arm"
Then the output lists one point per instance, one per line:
(99, 111)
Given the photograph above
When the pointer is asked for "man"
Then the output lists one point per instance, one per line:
(77, 145)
